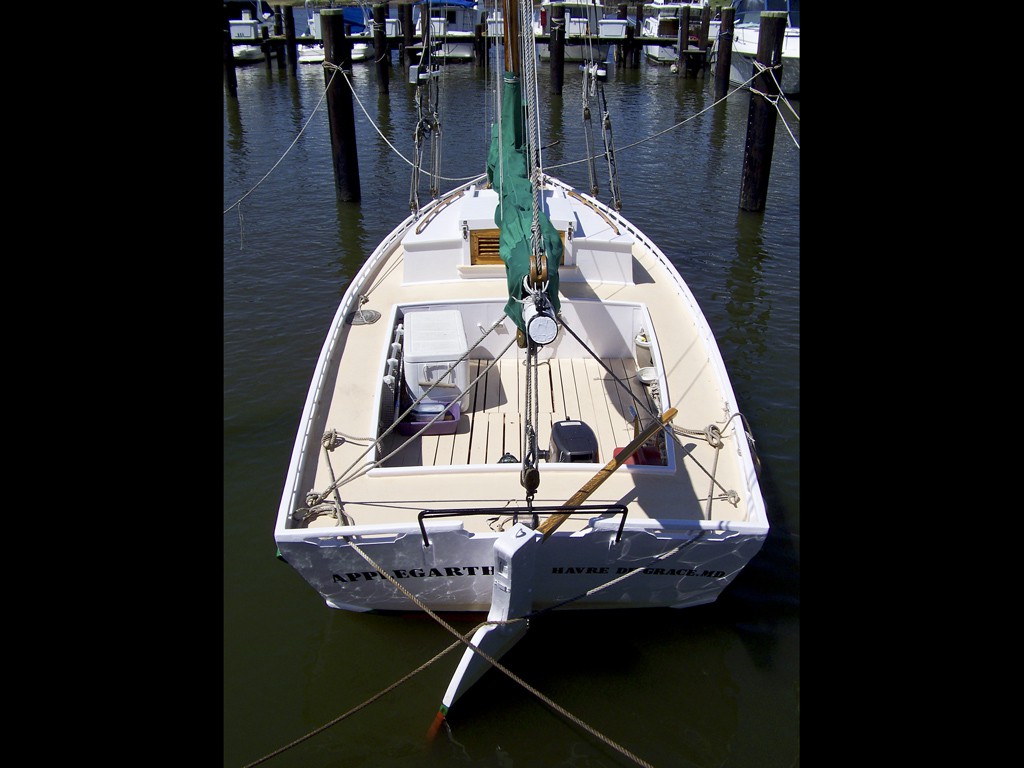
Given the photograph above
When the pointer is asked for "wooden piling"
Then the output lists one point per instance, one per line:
(723, 61)
(705, 28)
(478, 43)
(230, 79)
(622, 14)
(341, 116)
(556, 48)
(290, 43)
(405, 14)
(761, 116)
(279, 47)
(682, 40)
(637, 51)
(268, 49)
(487, 38)
(702, 36)
(381, 52)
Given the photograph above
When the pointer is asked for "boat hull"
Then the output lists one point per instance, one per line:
(421, 533)
(248, 54)
(454, 48)
(741, 69)
(575, 53)
(455, 573)
(744, 52)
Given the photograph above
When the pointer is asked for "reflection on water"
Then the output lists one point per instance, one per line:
(713, 685)
(748, 302)
(355, 244)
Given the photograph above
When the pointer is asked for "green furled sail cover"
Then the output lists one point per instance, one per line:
(506, 163)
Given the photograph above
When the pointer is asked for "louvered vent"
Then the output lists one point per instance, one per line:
(483, 247)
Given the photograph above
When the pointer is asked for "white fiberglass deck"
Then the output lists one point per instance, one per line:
(613, 285)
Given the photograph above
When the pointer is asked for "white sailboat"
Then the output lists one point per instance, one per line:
(519, 407)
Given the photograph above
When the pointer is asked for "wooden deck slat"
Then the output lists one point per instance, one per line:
(545, 402)
(478, 449)
(509, 397)
(490, 425)
(626, 371)
(557, 397)
(462, 439)
(513, 438)
(618, 422)
(476, 390)
(602, 423)
(428, 445)
(493, 389)
(581, 377)
(495, 437)
(570, 402)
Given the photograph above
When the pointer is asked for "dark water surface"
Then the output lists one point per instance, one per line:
(715, 686)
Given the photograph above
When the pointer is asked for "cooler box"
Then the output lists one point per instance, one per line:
(433, 341)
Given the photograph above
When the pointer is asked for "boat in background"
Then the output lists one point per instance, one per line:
(358, 25)
(518, 407)
(310, 45)
(665, 21)
(452, 32)
(246, 22)
(583, 19)
(746, 31)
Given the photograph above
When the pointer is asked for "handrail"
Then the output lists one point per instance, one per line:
(614, 509)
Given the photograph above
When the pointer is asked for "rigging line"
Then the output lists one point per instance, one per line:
(299, 134)
(347, 477)
(600, 362)
(691, 457)
(381, 278)
(774, 98)
(360, 103)
(746, 427)
(366, 468)
(365, 704)
(661, 133)
(494, 662)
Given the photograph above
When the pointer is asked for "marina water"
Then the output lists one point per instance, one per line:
(717, 685)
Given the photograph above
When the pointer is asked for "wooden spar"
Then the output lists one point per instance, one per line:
(548, 526)
(510, 13)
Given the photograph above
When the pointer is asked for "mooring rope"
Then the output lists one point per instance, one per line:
(774, 98)
(464, 639)
(283, 156)
(587, 159)
(712, 433)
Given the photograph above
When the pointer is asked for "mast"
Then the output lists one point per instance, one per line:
(510, 14)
